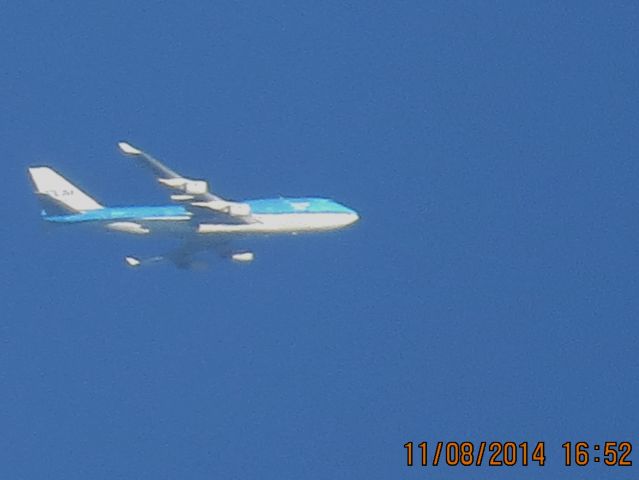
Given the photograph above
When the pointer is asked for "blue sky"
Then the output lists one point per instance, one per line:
(488, 293)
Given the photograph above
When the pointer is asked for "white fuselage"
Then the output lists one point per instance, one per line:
(284, 223)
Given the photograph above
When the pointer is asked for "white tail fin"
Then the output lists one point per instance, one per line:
(50, 185)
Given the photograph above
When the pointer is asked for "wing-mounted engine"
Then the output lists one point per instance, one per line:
(186, 188)
(128, 227)
(243, 257)
(189, 189)
(234, 209)
(194, 193)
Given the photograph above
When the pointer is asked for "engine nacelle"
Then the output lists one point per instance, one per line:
(128, 227)
(239, 209)
(195, 187)
(182, 198)
(231, 208)
(243, 257)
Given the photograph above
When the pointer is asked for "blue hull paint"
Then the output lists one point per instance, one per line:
(267, 206)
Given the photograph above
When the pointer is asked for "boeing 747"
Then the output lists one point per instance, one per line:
(201, 219)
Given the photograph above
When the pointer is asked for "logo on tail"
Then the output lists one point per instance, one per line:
(58, 195)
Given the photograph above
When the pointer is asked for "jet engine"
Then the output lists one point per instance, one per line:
(128, 227)
(195, 187)
(243, 257)
(186, 185)
(235, 209)
(239, 209)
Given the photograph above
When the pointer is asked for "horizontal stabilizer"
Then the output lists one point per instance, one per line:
(132, 261)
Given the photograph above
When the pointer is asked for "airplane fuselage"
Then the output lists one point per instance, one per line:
(200, 219)
(277, 215)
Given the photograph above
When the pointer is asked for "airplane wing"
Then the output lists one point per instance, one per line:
(194, 194)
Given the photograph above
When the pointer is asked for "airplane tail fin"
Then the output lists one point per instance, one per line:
(58, 195)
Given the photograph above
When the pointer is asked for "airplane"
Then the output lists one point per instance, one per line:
(200, 219)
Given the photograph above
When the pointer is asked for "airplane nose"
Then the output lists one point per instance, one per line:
(354, 217)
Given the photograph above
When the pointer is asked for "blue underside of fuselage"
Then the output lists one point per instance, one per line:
(267, 206)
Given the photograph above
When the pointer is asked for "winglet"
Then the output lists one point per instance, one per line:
(128, 149)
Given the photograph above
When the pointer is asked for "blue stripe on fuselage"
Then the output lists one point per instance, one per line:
(264, 206)
(122, 213)
(296, 205)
